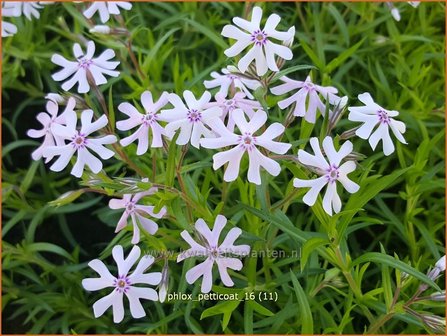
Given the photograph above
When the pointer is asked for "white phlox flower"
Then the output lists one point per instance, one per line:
(84, 66)
(191, 118)
(47, 119)
(246, 142)
(238, 101)
(307, 97)
(105, 8)
(262, 50)
(231, 80)
(8, 29)
(80, 142)
(29, 9)
(147, 121)
(139, 213)
(221, 255)
(331, 171)
(124, 283)
(372, 115)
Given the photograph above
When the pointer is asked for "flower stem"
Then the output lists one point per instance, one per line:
(379, 323)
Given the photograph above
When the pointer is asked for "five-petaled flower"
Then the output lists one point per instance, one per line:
(307, 91)
(105, 8)
(137, 212)
(246, 142)
(230, 80)
(146, 121)
(331, 171)
(79, 142)
(214, 253)
(47, 120)
(263, 50)
(86, 68)
(372, 115)
(123, 283)
(191, 118)
(238, 101)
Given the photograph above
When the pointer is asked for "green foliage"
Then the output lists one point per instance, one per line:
(334, 276)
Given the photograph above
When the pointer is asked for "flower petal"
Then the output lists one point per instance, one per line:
(315, 187)
(205, 270)
(124, 265)
(134, 294)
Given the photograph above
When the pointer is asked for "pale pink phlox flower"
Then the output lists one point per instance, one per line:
(214, 253)
(229, 79)
(123, 284)
(146, 121)
(246, 142)
(372, 115)
(238, 101)
(331, 171)
(47, 119)
(80, 143)
(191, 118)
(85, 65)
(138, 213)
(262, 50)
(308, 94)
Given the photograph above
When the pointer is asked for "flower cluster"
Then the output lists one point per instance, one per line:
(233, 122)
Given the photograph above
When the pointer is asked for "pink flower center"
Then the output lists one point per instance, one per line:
(259, 37)
(383, 117)
(122, 284)
(229, 105)
(130, 207)
(79, 140)
(232, 77)
(194, 116)
(332, 173)
(247, 140)
(309, 87)
(213, 251)
(149, 118)
(84, 63)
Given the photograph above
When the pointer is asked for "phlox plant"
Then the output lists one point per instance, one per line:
(223, 167)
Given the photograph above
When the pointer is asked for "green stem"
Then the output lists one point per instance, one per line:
(379, 323)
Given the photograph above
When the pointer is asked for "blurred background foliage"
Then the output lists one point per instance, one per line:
(355, 47)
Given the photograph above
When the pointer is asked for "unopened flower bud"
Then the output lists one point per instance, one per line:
(434, 322)
(436, 271)
(164, 283)
(441, 264)
(395, 13)
(291, 32)
(57, 98)
(438, 296)
(349, 133)
(101, 29)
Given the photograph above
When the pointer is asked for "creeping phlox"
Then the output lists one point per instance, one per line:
(234, 123)
(214, 253)
(137, 212)
(86, 70)
(123, 284)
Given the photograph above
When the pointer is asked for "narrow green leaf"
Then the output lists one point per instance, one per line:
(380, 258)
(304, 313)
